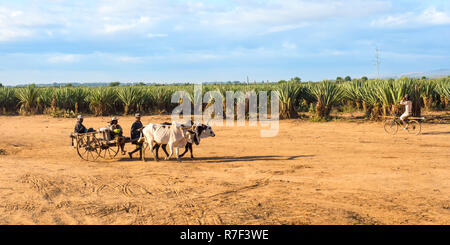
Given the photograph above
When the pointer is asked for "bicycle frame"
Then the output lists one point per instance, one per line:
(399, 122)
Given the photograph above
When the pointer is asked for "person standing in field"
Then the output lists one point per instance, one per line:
(408, 108)
(136, 129)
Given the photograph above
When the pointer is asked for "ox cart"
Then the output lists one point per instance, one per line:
(98, 144)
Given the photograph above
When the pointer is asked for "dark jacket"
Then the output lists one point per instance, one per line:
(112, 127)
(80, 128)
(135, 133)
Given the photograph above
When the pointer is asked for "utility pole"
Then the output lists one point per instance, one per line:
(377, 61)
(247, 80)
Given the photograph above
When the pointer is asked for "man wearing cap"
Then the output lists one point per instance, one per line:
(117, 132)
(136, 129)
(80, 128)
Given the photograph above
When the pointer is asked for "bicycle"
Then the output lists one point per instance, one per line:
(413, 125)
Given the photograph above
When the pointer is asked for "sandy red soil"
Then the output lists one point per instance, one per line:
(312, 173)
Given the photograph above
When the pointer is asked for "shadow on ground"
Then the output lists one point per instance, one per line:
(226, 159)
(249, 158)
(435, 133)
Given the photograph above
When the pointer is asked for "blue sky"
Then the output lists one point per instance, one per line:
(49, 41)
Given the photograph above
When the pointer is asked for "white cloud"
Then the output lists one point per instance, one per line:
(289, 45)
(154, 35)
(430, 16)
(111, 28)
(16, 13)
(91, 19)
(282, 28)
(14, 25)
(128, 59)
(274, 16)
(413, 56)
(64, 58)
(9, 34)
(434, 17)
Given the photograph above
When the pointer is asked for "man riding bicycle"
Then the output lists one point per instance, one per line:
(408, 109)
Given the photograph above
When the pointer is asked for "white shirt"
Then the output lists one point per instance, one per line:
(408, 106)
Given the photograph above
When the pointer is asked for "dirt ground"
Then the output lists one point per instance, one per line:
(311, 173)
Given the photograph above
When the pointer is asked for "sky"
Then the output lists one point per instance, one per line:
(46, 41)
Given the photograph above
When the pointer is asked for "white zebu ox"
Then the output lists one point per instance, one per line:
(175, 136)
(201, 131)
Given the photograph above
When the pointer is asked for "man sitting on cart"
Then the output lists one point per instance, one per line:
(80, 128)
(117, 133)
(136, 129)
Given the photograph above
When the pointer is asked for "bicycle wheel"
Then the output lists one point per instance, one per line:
(414, 127)
(390, 126)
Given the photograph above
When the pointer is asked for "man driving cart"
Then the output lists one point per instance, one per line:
(136, 130)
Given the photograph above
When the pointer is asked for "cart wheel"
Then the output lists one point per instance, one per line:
(108, 152)
(88, 147)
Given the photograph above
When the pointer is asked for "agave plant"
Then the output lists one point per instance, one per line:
(73, 99)
(146, 104)
(8, 100)
(211, 96)
(28, 99)
(161, 99)
(101, 100)
(3, 99)
(354, 91)
(443, 90)
(428, 93)
(327, 94)
(288, 94)
(402, 87)
(222, 91)
(45, 98)
(79, 99)
(375, 97)
(390, 93)
(387, 96)
(130, 97)
(194, 97)
(370, 101)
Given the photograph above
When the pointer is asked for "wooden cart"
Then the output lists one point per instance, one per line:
(98, 144)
